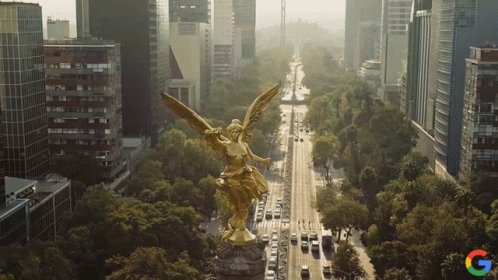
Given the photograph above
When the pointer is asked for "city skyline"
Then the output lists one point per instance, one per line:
(267, 12)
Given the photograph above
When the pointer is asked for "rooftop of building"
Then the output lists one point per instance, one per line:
(132, 142)
(14, 206)
(34, 191)
(51, 20)
(17, 4)
(13, 184)
(83, 43)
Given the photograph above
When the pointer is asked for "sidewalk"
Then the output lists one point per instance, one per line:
(355, 239)
(364, 259)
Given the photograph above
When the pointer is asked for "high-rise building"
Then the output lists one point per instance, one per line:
(189, 11)
(135, 25)
(368, 43)
(57, 29)
(22, 90)
(223, 40)
(394, 43)
(189, 53)
(83, 83)
(480, 117)
(82, 19)
(358, 11)
(463, 23)
(413, 100)
(245, 32)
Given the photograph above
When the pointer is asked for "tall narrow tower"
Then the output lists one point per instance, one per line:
(22, 90)
(282, 25)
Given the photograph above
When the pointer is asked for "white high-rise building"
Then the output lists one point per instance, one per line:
(57, 29)
(394, 45)
(189, 61)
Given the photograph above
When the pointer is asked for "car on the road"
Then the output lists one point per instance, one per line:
(268, 214)
(280, 201)
(272, 263)
(301, 129)
(274, 232)
(274, 253)
(305, 271)
(274, 246)
(277, 214)
(293, 238)
(307, 130)
(304, 236)
(270, 273)
(274, 238)
(326, 269)
(265, 238)
(296, 139)
(259, 217)
(315, 246)
(313, 236)
(304, 245)
(301, 139)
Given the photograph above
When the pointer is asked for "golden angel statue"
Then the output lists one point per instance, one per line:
(240, 182)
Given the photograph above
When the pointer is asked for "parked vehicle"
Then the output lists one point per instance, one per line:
(327, 240)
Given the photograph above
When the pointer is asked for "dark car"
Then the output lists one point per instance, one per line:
(305, 271)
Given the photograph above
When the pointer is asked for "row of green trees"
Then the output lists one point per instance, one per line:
(149, 229)
(419, 226)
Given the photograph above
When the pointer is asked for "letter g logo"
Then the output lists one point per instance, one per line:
(484, 264)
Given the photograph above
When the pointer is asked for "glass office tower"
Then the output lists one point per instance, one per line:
(22, 90)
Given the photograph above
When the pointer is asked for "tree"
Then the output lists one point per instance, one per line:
(392, 254)
(346, 259)
(325, 149)
(345, 215)
(149, 264)
(79, 247)
(397, 274)
(95, 205)
(54, 266)
(369, 185)
(452, 268)
(492, 227)
(413, 165)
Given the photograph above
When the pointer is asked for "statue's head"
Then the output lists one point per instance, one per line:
(234, 129)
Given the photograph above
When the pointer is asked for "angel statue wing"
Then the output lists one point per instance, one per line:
(211, 135)
(255, 111)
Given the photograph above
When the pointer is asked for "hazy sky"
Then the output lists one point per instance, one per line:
(268, 11)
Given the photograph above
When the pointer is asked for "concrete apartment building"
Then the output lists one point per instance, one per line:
(22, 88)
(190, 56)
(57, 29)
(480, 114)
(83, 85)
(464, 23)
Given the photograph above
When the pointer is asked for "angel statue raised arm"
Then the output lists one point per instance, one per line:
(240, 183)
